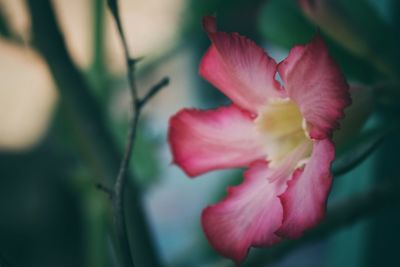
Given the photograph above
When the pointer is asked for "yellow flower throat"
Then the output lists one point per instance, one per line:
(282, 125)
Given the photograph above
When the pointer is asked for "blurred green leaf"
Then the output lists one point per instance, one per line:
(358, 150)
(359, 27)
(145, 157)
(378, 35)
(234, 16)
(282, 23)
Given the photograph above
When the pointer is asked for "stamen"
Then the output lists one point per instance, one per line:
(284, 130)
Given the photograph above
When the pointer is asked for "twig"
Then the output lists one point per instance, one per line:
(105, 189)
(130, 62)
(137, 104)
(93, 138)
(118, 194)
(154, 90)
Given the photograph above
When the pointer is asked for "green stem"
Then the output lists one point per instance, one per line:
(98, 34)
(96, 228)
(98, 73)
(137, 105)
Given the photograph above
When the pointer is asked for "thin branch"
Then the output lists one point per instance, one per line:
(119, 191)
(153, 91)
(130, 62)
(119, 187)
(137, 104)
(105, 189)
(93, 138)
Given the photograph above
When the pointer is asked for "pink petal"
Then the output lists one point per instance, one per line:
(316, 84)
(304, 202)
(214, 139)
(285, 168)
(239, 68)
(248, 216)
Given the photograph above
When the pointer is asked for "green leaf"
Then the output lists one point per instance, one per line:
(358, 151)
(281, 22)
(145, 157)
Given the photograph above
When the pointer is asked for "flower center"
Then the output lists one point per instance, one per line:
(281, 124)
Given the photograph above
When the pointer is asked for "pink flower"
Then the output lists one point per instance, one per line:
(281, 134)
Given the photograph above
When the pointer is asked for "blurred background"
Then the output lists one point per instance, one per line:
(64, 111)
